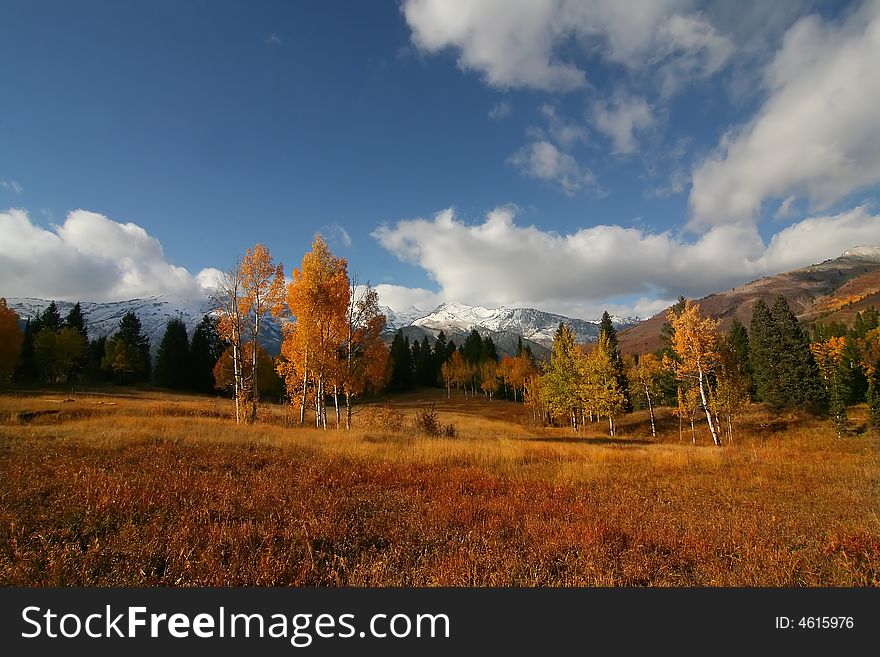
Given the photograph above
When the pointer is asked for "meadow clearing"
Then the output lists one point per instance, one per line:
(133, 488)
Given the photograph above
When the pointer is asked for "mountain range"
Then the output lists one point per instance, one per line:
(833, 290)
(505, 325)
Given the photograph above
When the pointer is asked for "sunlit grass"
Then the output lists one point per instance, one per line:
(154, 488)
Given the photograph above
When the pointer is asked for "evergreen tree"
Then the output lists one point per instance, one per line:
(874, 396)
(401, 363)
(439, 355)
(519, 346)
(425, 374)
(205, 349)
(473, 347)
(764, 344)
(173, 357)
(606, 328)
(127, 353)
(667, 332)
(76, 320)
(26, 368)
(51, 318)
(738, 341)
(488, 352)
(799, 382)
(94, 356)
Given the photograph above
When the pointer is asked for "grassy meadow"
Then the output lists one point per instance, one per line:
(149, 488)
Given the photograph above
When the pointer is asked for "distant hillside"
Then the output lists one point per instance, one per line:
(833, 290)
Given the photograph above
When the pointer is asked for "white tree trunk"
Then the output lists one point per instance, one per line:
(712, 428)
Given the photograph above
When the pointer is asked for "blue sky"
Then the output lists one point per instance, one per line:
(560, 153)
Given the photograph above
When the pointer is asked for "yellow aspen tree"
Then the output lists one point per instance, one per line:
(731, 394)
(318, 299)
(647, 372)
(600, 386)
(262, 286)
(366, 356)
(229, 299)
(489, 378)
(696, 344)
(563, 377)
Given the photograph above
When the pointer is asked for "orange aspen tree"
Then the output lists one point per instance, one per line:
(262, 286)
(696, 344)
(11, 337)
(318, 298)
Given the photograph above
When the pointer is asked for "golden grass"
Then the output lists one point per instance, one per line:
(158, 489)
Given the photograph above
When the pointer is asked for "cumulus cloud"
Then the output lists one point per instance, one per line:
(817, 135)
(498, 262)
(88, 257)
(519, 43)
(544, 161)
(620, 119)
(399, 297)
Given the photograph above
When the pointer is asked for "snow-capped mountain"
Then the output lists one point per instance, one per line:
(102, 318)
(396, 319)
(505, 325)
(532, 324)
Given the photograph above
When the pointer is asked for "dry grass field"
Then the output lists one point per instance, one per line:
(148, 488)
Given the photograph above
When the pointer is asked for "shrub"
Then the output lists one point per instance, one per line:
(427, 423)
(384, 418)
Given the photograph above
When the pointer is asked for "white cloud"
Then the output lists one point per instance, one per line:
(335, 235)
(88, 257)
(542, 160)
(12, 186)
(563, 133)
(817, 135)
(518, 43)
(621, 119)
(689, 48)
(399, 297)
(498, 262)
(678, 181)
(500, 110)
(274, 41)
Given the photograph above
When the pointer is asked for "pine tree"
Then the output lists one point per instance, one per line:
(473, 347)
(400, 363)
(51, 318)
(76, 320)
(127, 352)
(26, 366)
(424, 365)
(738, 342)
(173, 367)
(764, 344)
(800, 385)
(606, 328)
(874, 396)
(488, 352)
(667, 331)
(204, 351)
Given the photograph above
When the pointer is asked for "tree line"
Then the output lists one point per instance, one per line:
(57, 350)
